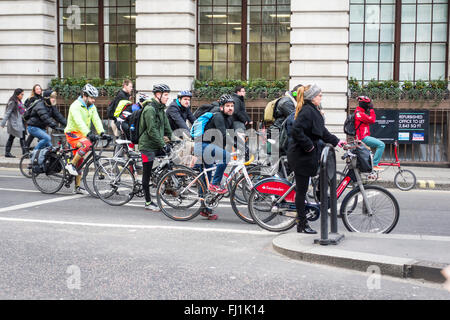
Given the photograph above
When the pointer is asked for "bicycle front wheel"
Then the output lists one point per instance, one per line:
(113, 183)
(53, 182)
(384, 208)
(268, 216)
(25, 165)
(180, 195)
(405, 180)
(88, 176)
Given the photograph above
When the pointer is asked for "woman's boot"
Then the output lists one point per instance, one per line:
(303, 227)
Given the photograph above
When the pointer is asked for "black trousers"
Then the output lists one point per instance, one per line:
(302, 183)
(10, 141)
(148, 157)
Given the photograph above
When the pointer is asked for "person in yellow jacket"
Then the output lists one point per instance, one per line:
(81, 113)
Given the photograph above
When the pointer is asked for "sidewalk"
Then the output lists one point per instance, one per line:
(403, 256)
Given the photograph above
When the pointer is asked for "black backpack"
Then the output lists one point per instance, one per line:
(29, 111)
(133, 121)
(349, 125)
(364, 159)
(111, 109)
(202, 110)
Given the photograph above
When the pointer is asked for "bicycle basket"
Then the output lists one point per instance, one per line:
(364, 159)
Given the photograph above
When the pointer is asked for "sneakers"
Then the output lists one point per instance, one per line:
(71, 169)
(209, 215)
(217, 189)
(152, 207)
(80, 190)
(377, 168)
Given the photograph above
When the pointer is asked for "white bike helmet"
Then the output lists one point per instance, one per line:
(90, 90)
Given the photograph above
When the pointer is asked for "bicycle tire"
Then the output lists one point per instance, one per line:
(86, 183)
(172, 184)
(119, 193)
(351, 216)
(405, 179)
(55, 179)
(25, 165)
(239, 208)
(268, 216)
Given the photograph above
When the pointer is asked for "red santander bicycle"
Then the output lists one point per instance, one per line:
(366, 208)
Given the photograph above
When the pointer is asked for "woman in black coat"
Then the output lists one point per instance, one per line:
(303, 150)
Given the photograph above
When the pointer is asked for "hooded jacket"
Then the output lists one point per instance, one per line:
(177, 115)
(43, 116)
(363, 122)
(153, 126)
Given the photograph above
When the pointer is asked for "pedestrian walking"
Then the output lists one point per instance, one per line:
(16, 126)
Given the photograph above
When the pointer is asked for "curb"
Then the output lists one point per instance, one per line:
(359, 261)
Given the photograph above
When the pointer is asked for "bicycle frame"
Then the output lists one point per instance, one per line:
(397, 161)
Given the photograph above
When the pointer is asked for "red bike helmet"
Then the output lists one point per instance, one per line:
(365, 102)
(364, 99)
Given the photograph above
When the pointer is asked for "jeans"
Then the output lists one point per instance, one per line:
(375, 143)
(209, 152)
(43, 137)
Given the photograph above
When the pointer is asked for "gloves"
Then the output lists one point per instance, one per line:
(341, 143)
(92, 137)
(167, 149)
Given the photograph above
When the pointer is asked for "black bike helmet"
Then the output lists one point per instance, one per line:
(161, 88)
(225, 98)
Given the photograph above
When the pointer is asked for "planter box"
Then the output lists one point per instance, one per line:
(405, 104)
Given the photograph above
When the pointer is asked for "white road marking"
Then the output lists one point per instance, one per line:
(19, 190)
(147, 227)
(37, 203)
(14, 177)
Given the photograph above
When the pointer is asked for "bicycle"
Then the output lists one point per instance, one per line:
(404, 179)
(181, 194)
(272, 203)
(115, 180)
(56, 176)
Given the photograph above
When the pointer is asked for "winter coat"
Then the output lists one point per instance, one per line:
(14, 118)
(153, 126)
(363, 122)
(177, 115)
(303, 150)
(30, 100)
(221, 122)
(240, 114)
(44, 116)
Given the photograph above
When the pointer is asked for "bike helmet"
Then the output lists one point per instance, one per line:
(184, 93)
(161, 88)
(90, 90)
(225, 98)
(365, 102)
(142, 97)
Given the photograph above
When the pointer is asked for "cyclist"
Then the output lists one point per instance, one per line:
(180, 110)
(129, 108)
(209, 149)
(82, 113)
(240, 115)
(44, 114)
(154, 130)
(303, 153)
(364, 117)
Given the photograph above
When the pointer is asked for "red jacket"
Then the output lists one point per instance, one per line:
(363, 122)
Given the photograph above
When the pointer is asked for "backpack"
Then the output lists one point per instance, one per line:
(269, 112)
(133, 121)
(284, 137)
(198, 127)
(45, 161)
(364, 159)
(202, 110)
(349, 125)
(120, 106)
(29, 111)
(111, 110)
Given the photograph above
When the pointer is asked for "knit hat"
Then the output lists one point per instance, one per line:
(312, 92)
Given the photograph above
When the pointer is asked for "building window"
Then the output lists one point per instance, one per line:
(243, 39)
(398, 39)
(97, 38)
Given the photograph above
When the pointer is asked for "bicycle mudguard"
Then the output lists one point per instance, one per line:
(275, 186)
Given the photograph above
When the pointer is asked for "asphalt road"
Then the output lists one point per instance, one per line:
(74, 247)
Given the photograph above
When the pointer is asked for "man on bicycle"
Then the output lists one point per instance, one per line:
(362, 125)
(180, 110)
(82, 113)
(211, 148)
(154, 130)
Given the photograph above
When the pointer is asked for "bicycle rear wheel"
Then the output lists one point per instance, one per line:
(268, 216)
(405, 179)
(53, 182)
(178, 196)
(384, 206)
(113, 183)
(25, 165)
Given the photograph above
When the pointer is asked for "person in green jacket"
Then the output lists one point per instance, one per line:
(154, 130)
(81, 113)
